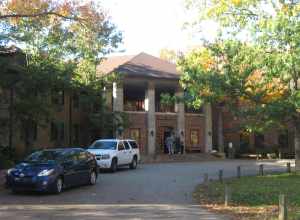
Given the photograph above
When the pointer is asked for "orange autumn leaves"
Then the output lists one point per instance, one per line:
(258, 85)
(270, 90)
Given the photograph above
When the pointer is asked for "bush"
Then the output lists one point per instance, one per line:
(6, 158)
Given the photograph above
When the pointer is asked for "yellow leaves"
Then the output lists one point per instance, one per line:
(236, 2)
(271, 90)
(204, 59)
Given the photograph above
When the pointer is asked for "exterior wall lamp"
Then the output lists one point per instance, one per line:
(152, 133)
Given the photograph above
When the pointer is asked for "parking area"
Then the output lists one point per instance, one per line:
(153, 191)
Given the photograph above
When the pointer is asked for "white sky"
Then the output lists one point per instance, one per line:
(150, 25)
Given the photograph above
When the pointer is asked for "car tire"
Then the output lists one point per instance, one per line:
(92, 178)
(114, 165)
(58, 185)
(134, 163)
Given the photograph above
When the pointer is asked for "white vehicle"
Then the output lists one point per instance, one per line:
(112, 153)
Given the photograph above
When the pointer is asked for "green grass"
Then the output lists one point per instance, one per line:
(255, 192)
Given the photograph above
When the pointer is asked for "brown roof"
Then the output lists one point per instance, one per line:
(141, 65)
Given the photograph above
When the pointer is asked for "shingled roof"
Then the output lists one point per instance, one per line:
(141, 65)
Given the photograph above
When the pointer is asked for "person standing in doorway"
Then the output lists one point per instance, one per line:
(169, 143)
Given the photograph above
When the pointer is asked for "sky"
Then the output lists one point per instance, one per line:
(151, 25)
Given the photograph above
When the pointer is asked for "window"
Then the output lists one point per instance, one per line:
(121, 146)
(75, 100)
(31, 131)
(133, 144)
(57, 131)
(72, 156)
(194, 137)
(58, 97)
(135, 134)
(259, 140)
(34, 131)
(82, 156)
(53, 131)
(127, 147)
(104, 145)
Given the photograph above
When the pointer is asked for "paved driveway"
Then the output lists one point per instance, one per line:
(153, 191)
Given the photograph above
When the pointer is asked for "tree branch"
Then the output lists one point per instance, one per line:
(42, 14)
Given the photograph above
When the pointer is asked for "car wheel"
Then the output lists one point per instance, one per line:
(93, 178)
(58, 185)
(133, 164)
(114, 165)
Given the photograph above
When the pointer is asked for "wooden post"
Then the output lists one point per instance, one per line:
(238, 170)
(221, 176)
(227, 195)
(261, 169)
(288, 167)
(282, 208)
(205, 179)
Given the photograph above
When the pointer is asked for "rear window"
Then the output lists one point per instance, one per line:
(104, 145)
(133, 144)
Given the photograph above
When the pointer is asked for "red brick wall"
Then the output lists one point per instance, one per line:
(138, 121)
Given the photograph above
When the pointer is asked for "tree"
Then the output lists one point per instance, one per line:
(273, 28)
(169, 55)
(63, 42)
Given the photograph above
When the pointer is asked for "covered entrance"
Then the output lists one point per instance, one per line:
(164, 133)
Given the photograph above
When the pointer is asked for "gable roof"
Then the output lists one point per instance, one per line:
(141, 65)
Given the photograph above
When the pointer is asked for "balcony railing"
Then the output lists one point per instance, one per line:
(134, 105)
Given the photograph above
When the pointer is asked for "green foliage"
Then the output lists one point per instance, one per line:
(221, 72)
(58, 53)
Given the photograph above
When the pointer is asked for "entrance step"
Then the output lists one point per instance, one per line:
(188, 157)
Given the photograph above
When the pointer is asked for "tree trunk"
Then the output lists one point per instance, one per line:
(220, 131)
(297, 148)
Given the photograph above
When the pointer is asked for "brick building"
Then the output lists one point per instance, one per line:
(143, 78)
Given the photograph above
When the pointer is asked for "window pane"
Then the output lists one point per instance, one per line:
(127, 147)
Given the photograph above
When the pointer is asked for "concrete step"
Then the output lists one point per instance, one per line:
(188, 157)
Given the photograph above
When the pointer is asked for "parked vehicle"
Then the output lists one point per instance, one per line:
(113, 153)
(53, 170)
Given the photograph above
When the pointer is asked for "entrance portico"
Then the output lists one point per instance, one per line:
(138, 94)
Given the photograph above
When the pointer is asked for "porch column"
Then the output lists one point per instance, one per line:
(179, 107)
(220, 130)
(118, 107)
(150, 108)
(208, 127)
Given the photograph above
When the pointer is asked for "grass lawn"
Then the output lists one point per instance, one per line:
(253, 197)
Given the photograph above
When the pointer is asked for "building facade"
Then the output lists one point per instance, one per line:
(143, 79)
(137, 93)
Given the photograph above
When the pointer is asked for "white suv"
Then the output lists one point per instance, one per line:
(112, 153)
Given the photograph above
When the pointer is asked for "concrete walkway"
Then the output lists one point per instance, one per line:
(153, 191)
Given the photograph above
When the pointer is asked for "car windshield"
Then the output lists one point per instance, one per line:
(44, 156)
(104, 145)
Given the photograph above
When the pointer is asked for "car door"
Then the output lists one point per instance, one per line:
(128, 152)
(69, 164)
(83, 168)
(121, 154)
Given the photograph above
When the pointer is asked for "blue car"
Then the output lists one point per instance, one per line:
(53, 170)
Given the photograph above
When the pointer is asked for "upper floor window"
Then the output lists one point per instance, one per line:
(58, 97)
(134, 99)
